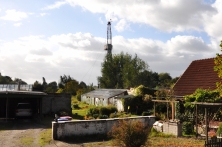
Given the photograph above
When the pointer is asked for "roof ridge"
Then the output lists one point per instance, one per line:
(203, 59)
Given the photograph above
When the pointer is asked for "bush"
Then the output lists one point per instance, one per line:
(219, 131)
(187, 128)
(76, 106)
(103, 117)
(146, 113)
(95, 116)
(129, 133)
(104, 111)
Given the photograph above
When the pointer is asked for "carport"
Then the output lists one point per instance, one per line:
(10, 99)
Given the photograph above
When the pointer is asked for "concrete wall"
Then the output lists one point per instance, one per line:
(172, 128)
(53, 103)
(62, 130)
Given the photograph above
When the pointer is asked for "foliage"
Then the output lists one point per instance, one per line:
(165, 80)
(202, 95)
(76, 106)
(219, 131)
(187, 128)
(147, 113)
(37, 86)
(121, 71)
(142, 91)
(129, 133)
(218, 69)
(136, 104)
(155, 133)
(71, 87)
(8, 80)
(103, 117)
(100, 111)
(51, 87)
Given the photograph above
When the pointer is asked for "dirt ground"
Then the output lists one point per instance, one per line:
(26, 133)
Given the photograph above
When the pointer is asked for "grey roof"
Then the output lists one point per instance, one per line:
(105, 93)
(23, 92)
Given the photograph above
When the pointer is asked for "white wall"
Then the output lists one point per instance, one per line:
(61, 130)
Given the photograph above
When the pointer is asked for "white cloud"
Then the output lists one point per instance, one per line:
(122, 25)
(177, 15)
(100, 20)
(213, 22)
(42, 14)
(56, 5)
(18, 24)
(14, 15)
(80, 55)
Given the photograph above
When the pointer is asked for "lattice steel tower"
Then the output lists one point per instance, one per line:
(109, 45)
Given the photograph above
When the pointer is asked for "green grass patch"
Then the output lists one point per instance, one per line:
(78, 114)
(45, 137)
(155, 133)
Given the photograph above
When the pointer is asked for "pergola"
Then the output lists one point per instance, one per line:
(205, 106)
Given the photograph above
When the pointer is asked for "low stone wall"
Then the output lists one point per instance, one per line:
(172, 128)
(62, 130)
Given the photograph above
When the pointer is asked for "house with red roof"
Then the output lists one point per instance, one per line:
(199, 74)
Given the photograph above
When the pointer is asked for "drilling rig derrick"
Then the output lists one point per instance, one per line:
(109, 45)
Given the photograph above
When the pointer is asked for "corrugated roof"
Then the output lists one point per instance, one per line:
(105, 93)
(23, 92)
(199, 74)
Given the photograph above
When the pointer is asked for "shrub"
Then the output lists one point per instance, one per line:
(187, 128)
(95, 116)
(219, 131)
(112, 109)
(103, 117)
(146, 113)
(76, 106)
(129, 133)
(104, 111)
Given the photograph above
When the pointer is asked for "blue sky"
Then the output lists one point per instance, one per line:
(52, 38)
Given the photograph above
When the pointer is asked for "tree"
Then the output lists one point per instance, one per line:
(17, 80)
(63, 80)
(82, 85)
(37, 86)
(51, 87)
(44, 84)
(165, 80)
(5, 80)
(218, 69)
(71, 87)
(121, 71)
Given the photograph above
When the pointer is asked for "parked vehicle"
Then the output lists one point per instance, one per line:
(23, 110)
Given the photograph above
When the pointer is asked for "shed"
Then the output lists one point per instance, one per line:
(105, 97)
(42, 103)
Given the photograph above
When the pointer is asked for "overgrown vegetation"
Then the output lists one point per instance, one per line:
(129, 133)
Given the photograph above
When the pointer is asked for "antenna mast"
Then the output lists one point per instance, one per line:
(109, 45)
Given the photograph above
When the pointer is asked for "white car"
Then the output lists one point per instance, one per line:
(23, 110)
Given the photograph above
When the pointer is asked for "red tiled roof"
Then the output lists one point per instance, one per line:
(199, 74)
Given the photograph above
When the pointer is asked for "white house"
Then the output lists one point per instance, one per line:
(105, 97)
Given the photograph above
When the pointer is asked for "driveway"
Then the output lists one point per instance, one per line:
(26, 133)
